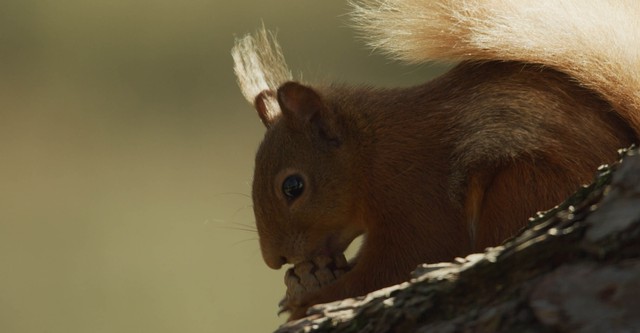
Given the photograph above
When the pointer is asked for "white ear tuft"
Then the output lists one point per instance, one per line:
(260, 66)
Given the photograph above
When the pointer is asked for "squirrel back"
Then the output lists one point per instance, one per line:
(544, 93)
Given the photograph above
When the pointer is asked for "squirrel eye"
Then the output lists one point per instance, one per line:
(293, 186)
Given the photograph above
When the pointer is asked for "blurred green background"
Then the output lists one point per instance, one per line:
(126, 157)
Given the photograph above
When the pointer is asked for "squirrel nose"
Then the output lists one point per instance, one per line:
(275, 262)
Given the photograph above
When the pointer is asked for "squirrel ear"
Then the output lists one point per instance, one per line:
(267, 107)
(302, 105)
(299, 101)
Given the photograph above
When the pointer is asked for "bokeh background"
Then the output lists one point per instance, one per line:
(126, 157)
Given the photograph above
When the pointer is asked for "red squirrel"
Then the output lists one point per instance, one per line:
(544, 93)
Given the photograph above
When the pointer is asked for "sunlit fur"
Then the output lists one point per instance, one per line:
(259, 65)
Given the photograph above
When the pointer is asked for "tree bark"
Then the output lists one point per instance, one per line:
(575, 268)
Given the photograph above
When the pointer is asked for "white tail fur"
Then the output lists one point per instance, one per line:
(596, 42)
(259, 65)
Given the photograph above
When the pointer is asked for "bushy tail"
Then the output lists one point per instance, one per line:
(596, 42)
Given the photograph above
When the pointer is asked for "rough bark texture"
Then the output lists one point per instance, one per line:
(575, 268)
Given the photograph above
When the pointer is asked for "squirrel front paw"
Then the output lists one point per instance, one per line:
(305, 281)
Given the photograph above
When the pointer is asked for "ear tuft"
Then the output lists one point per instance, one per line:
(260, 69)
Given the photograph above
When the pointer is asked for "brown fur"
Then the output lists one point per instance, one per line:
(430, 172)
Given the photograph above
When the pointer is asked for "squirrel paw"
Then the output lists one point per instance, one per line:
(306, 279)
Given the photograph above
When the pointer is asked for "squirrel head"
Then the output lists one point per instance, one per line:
(304, 194)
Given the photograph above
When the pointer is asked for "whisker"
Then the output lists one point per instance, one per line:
(250, 226)
(244, 241)
(220, 223)
(232, 193)
(247, 229)
(240, 209)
